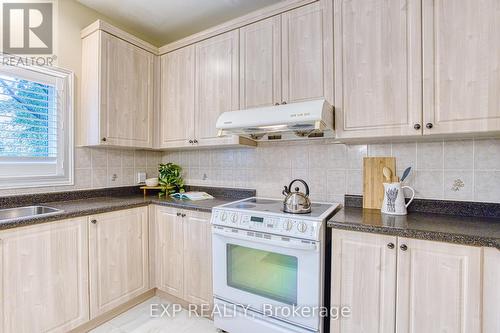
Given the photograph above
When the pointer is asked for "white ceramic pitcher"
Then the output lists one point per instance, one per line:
(394, 199)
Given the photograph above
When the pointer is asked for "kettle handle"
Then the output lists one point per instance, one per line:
(303, 182)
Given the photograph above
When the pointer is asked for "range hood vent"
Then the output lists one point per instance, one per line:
(311, 119)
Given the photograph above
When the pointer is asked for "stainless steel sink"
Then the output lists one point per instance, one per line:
(28, 211)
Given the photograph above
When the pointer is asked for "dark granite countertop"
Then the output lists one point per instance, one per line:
(101, 204)
(474, 231)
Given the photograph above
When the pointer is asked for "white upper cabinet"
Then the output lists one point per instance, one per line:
(177, 97)
(260, 63)
(117, 93)
(377, 68)
(461, 41)
(287, 58)
(198, 83)
(416, 67)
(307, 64)
(217, 82)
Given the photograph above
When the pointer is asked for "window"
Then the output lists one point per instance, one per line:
(36, 126)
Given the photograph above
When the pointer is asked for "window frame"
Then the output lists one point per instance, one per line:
(64, 83)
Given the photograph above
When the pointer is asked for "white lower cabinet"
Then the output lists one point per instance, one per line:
(44, 277)
(55, 277)
(183, 254)
(491, 290)
(439, 287)
(364, 278)
(119, 258)
(402, 285)
(197, 258)
(168, 251)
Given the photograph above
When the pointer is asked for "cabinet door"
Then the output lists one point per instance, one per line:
(169, 251)
(216, 82)
(491, 290)
(439, 287)
(364, 278)
(378, 68)
(126, 93)
(44, 277)
(307, 53)
(119, 264)
(197, 258)
(177, 97)
(461, 65)
(260, 63)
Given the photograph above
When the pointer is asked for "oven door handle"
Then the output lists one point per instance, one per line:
(303, 246)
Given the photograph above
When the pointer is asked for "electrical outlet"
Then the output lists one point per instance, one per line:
(141, 177)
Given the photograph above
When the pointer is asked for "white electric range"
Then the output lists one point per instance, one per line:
(268, 266)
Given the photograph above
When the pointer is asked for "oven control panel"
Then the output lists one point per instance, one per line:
(288, 226)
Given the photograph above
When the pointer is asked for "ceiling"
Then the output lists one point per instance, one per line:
(165, 21)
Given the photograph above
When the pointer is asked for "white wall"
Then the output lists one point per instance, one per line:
(335, 169)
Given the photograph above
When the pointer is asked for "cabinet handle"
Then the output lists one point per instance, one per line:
(183, 215)
(276, 103)
(403, 247)
(195, 141)
(178, 214)
(390, 245)
(190, 141)
(94, 221)
(417, 126)
(429, 125)
(284, 102)
(103, 139)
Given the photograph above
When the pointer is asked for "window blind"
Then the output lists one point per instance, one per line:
(36, 126)
(29, 120)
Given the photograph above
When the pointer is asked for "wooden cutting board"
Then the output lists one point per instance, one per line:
(373, 179)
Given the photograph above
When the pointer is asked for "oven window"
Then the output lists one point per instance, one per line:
(267, 274)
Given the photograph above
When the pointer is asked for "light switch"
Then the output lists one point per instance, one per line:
(141, 177)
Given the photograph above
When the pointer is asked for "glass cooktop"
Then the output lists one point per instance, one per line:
(276, 206)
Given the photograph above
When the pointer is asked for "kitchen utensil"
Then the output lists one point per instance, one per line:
(387, 174)
(373, 179)
(394, 199)
(296, 202)
(406, 173)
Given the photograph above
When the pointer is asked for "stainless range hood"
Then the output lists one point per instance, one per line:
(310, 119)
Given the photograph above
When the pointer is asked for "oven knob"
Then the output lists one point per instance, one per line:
(302, 227)
(288, 225)
(234, 218)
(223, 216)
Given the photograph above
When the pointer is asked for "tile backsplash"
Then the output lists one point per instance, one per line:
(102, 167)
(467, 170)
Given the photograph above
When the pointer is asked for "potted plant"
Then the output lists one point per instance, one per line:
(170, 179)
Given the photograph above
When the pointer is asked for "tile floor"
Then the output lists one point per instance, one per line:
(139, 320)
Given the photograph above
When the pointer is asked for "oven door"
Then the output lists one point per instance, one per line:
(268, 272)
